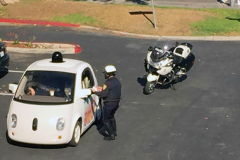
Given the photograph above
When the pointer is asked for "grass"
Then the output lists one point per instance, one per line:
(76, 18)
(28, 1)
(222, 21)
(225, 21)
(3, 11)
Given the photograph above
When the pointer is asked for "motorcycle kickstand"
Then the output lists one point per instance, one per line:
(145, 75)
(172, 86)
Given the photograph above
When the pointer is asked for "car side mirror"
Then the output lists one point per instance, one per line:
(83, 93)
(12, 87)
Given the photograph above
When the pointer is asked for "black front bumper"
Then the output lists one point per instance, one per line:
(4, 61)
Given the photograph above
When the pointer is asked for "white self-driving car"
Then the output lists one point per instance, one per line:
(52, 104)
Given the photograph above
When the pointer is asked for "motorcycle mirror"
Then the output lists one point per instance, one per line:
(177, 43)
(150, 48)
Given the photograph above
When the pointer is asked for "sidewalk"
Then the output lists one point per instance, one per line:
(175, 3)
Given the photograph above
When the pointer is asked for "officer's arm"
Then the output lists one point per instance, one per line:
(104, 92)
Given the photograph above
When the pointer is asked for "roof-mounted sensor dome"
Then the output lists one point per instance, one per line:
(57, 57)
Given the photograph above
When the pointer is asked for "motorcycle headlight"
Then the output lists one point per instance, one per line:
(60, 124)
(166, 47)
(13, 120)
(169, 64)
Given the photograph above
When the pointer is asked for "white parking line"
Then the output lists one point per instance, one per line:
(6, 94)
(15, 71)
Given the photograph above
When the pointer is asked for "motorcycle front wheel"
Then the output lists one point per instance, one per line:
(149, 87)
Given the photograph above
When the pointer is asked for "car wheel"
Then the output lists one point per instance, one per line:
(9, 140)
(76, 135)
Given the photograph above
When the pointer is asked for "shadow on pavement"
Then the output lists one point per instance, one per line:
(142, 81)
(100, 127)
(26, 145)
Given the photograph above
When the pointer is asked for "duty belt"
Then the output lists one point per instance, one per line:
(111, 100)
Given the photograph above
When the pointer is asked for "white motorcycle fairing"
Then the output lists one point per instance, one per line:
(165, 66)
(165, 70)
(151, 77)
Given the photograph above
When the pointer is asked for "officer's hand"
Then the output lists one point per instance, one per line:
(93, 90)
(99, 88)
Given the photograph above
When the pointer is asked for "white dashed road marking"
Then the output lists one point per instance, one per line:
(15, 71)
(6, 94)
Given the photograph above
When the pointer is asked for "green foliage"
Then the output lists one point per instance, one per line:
(222, 11)
(224, 21)
(76, 18)
(14, 38)
(29, 1)
(30, 42)
(3, 12)
(215, 25)
(167, 7)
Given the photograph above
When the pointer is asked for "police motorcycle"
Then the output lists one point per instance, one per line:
(164, 66)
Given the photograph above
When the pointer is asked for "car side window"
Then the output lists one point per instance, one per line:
(87, 79)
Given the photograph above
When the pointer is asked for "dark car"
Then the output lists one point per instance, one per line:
(4, 57)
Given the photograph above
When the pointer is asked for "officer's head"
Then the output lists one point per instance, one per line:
(109, 70)
(57, 57)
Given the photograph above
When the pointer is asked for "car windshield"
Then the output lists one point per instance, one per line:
(46, 87)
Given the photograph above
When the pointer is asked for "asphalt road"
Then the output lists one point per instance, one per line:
(198, 121)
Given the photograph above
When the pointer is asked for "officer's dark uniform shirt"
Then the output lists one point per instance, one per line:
(111, 90)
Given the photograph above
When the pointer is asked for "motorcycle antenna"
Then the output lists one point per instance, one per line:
(156, 42)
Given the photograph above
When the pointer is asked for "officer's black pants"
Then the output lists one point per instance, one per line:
(109, 110)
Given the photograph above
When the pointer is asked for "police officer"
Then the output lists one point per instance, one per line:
(111, 94)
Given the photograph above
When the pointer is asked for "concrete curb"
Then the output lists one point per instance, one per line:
(33, 22)
(121, 33)
(47, 48)
(193, 38)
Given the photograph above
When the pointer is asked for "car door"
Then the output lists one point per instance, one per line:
(89, 102)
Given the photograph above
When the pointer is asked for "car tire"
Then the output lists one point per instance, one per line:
(9, 140)
(76, 135)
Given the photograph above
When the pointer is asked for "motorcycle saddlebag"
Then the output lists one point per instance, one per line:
(182, 51)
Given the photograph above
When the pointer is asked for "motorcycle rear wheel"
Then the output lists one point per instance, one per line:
(149, 87)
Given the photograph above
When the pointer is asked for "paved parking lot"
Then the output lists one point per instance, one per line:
(197, 121)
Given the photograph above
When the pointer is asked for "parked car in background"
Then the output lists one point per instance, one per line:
(4, 57)
(53, 103)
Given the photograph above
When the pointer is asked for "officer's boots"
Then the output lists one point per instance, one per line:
(109, 129)
(114, 126)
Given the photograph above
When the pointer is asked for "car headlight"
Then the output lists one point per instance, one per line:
(14, 121)
(60, 124)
